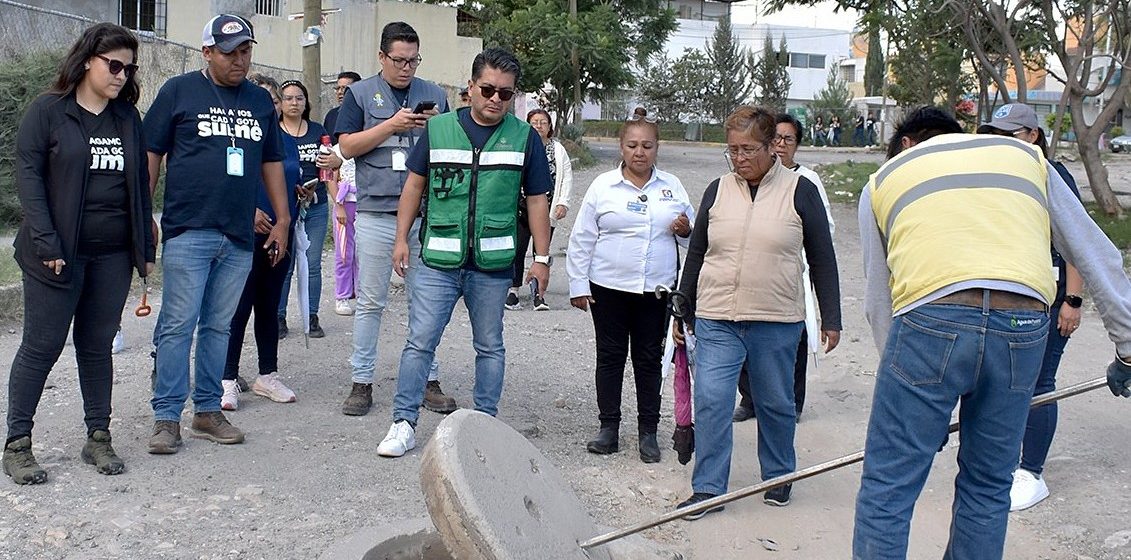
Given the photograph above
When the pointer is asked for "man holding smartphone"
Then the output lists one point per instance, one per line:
(379, 122)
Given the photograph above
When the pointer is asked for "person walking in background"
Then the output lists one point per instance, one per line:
(469, 235)
(743, 280)
(959, 317)
(264, 285)
(377, 126)
(834, 131)
(625, 243)
(1029, 488)
(218, 136)
(83, 184)
(295, 122)
(785, 144)
(561, 172)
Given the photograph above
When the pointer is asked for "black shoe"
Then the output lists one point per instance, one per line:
(316, 329)
(742, 413)
(606, 442)
(778, 496)
(283, 330)
(695, 499)
(540, 304)
(512, 302)
(242, 384)
(649, 449)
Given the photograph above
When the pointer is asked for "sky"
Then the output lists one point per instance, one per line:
(820, 16)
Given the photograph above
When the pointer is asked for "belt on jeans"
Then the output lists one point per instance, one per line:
(976, 297)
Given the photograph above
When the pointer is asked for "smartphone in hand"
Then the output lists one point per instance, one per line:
(424, 106)
(533, 287)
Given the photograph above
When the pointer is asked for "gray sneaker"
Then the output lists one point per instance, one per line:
(20, 464)
(214, 426)
(99, 453)
(359, 401)
(166, 438)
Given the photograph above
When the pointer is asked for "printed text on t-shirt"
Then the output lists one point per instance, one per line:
(107, 154)
(238, 123)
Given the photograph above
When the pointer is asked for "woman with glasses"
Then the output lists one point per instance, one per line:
(295, 122)
(1019, 121)
(757, 227)
(264, 285)
(624, 244)
(561, 171)
(81, 170)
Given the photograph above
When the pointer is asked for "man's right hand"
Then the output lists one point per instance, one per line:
(405, 120)
(1119, 378)
(582, 302)
(400, 257)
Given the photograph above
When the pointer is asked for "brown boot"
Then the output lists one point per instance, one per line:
(98, 452)
(214, 426)
(166, 438)
(436, 401)
(359, 401)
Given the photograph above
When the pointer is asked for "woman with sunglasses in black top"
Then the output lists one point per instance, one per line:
(83, 188)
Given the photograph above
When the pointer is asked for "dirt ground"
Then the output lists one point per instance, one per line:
(308, 476)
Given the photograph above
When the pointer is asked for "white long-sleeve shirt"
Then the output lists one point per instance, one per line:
(622, 238)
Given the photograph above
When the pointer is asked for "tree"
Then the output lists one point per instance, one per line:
(729, 63)
(677, 90)
(608, 35)
(835, 99)
(927, 68)
(771, 75)
(874, 64)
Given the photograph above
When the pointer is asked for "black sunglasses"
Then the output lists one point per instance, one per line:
(116, 66)
(490, 91)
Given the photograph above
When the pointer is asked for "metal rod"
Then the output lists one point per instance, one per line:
(808, 472)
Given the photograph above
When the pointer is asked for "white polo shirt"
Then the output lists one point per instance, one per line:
(622, 237)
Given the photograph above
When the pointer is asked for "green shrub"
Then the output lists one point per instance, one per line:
(844, 181)
(1116, 131)
(22, 78)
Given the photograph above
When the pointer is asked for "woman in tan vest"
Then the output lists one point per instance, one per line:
(743, 279)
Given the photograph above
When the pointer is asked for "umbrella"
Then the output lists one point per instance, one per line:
(302, 270)
(683, 439)
(812, 326)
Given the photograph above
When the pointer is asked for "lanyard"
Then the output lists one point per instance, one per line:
(227, 112)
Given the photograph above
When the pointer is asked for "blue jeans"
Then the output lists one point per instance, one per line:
(203, 277)
(937, 356)
(374, 234)
(431, 302)
(1041, 426)
(768, 350)
(316, 221)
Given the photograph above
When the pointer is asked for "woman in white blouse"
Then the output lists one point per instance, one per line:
(624, 244)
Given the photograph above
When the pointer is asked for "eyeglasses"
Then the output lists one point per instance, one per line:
(405, 62)
(116, 66)
(294, 98)
(787, 140)
(489, 91)
(743, 151)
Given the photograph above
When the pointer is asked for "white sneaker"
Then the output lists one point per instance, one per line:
(230, 400)
(343, 307)
(400, 440)
(119, 343)
(272, 387)
(1028, 490)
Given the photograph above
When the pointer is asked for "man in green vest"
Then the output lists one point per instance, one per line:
(471, 166)
(955, 233)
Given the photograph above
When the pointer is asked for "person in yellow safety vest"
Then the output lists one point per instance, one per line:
(471, 166)
(955, 232)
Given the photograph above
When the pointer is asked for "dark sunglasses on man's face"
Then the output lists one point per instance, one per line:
(490, 91)
(116, 66)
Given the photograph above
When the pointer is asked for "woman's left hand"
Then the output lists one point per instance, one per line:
(681, 226)
(1068, 320)
(829, 340)
(560, 212)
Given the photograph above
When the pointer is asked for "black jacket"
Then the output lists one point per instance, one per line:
(52, 160)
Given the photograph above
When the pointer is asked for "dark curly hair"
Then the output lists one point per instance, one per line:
(97, 39)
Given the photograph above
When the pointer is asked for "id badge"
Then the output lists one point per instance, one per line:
(637, 207)
(235, 161)
(399, 160)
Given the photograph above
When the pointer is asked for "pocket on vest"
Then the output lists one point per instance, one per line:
(496, 244)
(443, 245)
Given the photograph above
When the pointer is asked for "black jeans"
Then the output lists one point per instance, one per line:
(93, 300)
(799, 369)
(520, 252)
(261, 292)
(618, 318)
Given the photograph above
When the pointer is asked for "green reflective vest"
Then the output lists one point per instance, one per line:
(472, 197)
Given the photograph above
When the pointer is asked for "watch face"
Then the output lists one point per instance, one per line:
(1074, 301)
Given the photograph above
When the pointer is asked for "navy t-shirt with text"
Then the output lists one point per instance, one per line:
(308, 145)
(193, 123)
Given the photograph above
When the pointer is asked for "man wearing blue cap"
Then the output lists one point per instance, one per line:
(219, 137)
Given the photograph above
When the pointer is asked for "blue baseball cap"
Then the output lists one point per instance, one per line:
(227, 32)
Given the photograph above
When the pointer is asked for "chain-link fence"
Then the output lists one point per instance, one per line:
(32, 29)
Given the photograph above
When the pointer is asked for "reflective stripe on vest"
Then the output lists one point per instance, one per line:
(963, 207)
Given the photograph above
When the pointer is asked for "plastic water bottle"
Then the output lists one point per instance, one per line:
(324, 149)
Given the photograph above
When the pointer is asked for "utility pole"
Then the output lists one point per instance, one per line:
(576, 62)
(312, 56)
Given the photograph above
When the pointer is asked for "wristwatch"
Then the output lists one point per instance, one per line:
(544, 259)
(1074, 301)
